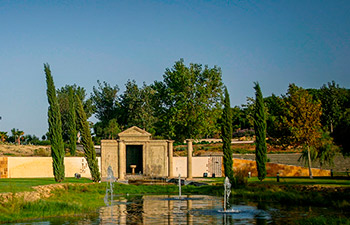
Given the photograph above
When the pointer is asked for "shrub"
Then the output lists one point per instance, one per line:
(41, 152)
(241, 176)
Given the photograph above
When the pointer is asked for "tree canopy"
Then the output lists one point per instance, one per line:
(189, 101)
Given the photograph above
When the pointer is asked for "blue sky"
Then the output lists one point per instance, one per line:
(272, 42)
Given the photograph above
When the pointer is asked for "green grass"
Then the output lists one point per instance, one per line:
(82, 200)
(290, 181)
(73, 201)
(26, 184)
(303, 181)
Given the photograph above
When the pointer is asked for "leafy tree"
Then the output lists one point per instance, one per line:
(260, 132)
(71, 122)
(304, 115)
(240, 118)
(30, 139)
(342, 132)
(105, 101)
(277, 130)
(332, 100)
(55, 128)
(106, 132)
(107, 107)
(136, 107)
(86, 140)
(226, 135)
(325, 150)
(17, 134)
(3, 136)
(64, 104)
(188, 101)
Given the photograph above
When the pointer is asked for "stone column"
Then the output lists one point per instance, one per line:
(189, 158)
(170, 159)
(122, 158)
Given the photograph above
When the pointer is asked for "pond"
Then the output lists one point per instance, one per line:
(190, 209)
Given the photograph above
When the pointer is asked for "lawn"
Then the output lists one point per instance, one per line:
(344, 182)
(26, 184)
(339, 181)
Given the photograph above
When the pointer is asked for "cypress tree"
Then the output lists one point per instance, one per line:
(55, 128)
(72, 129)
(86, 140)
(226, 135)
(260, 133)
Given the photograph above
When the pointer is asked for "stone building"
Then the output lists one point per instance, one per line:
(136, 153)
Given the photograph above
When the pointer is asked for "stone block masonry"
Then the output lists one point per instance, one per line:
(3, 167)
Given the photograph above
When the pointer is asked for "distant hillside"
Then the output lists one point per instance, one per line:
(24, 150)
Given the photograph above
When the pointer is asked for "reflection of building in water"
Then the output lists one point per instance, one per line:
(160, 209)
(134, 209)
(114, 214)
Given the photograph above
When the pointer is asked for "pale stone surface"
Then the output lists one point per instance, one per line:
(32, 167)
(154, 153)
(170, 159)
(109, 157)
(156, 159)
(189, 158)
(3, 167)
(122, 169)
(134, 134)
(200, 166)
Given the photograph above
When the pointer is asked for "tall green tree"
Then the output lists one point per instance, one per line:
(189, 101)
(226, 135)
(71, 122)
(332, 100)
(64, 104)
(86, 140)
(55, 128)
(304, 116)
(260, 133)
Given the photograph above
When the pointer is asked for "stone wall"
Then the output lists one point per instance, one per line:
(156, 160)
(109, 157)
(36, 167)
(3, 167)
(273, 168)
(210, 165)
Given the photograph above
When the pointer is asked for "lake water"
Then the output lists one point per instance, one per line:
(191, 209)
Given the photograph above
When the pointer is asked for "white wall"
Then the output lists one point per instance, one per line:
(32, 167)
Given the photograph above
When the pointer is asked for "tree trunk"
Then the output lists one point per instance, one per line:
(331, 127)
(309, 161)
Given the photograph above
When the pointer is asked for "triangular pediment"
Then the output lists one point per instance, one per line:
(134, 131)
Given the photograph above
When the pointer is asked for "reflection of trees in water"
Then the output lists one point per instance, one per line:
(134, 209)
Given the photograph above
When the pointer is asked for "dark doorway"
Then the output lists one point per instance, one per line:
(134, 157)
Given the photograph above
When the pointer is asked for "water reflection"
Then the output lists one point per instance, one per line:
(167, 209)
(191, 209)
